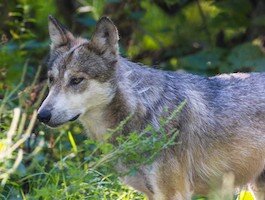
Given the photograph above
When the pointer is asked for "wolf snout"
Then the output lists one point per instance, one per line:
(44, 116)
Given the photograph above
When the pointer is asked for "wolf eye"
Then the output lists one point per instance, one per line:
(50, 79)
(76, 81)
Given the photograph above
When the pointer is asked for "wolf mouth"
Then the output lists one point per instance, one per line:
(74, 118)
(53, 125)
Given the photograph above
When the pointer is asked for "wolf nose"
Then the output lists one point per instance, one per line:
(44, 116)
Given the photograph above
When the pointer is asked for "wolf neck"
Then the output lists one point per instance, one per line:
(94, 123)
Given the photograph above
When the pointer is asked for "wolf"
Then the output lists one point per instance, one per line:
(221, 126)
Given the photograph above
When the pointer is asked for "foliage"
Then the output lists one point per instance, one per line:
(205, 37)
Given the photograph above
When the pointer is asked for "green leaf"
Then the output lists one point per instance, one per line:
(202, 61)
(247, 55)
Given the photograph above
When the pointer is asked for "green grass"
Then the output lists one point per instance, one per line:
(63, 169)
(33, 166)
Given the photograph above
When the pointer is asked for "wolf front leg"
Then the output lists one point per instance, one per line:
(171, 182)
(172, 189)
(259, 187)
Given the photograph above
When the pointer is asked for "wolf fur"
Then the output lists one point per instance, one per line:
(222, 125)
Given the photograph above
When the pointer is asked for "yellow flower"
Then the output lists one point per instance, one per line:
(2, 145)
(245, 195)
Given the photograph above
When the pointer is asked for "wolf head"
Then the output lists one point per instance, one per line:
(80, 72)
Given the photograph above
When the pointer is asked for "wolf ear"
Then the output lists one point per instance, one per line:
(106, 37)
(58, 33)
